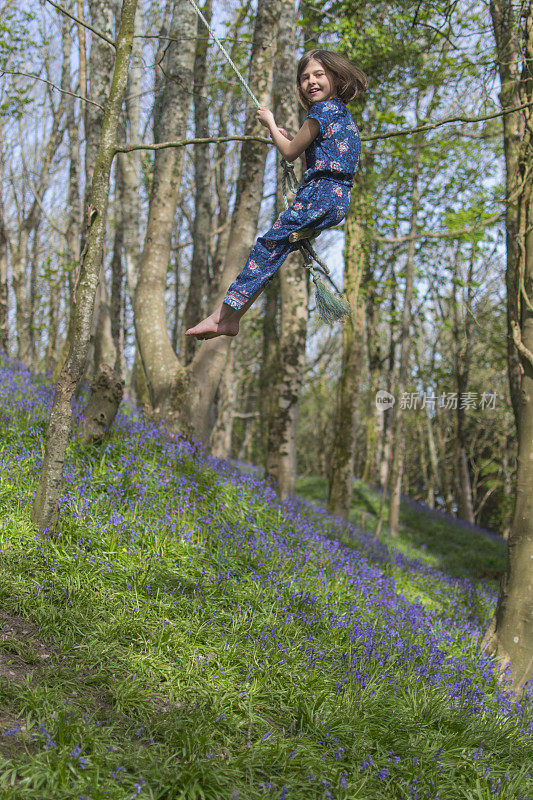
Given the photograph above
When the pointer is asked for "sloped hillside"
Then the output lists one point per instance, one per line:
(188, 636)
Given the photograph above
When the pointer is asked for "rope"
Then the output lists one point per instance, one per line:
(288, 178)
(228, 57)
(290, 182)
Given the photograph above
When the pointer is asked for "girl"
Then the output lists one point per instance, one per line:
(325, 81)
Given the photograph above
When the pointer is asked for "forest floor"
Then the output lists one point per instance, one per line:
(186, 635)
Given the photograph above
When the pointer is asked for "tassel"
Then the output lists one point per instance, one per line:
(330, 306)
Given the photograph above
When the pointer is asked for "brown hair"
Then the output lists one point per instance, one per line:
(349, 79)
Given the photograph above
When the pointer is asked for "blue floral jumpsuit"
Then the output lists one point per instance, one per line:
(321, 201)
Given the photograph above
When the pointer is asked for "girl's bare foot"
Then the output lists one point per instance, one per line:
(217, 324)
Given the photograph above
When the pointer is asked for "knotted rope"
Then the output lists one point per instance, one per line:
(330, 306)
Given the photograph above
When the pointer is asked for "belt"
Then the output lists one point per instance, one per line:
(340, 177)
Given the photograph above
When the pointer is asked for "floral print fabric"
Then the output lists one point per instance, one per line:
(321, 202)
(336, 150)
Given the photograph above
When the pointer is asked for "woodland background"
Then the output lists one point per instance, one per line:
(423, 251)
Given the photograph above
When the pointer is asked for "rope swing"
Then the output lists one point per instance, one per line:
(331, 305)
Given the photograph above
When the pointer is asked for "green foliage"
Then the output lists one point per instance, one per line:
(17, 47)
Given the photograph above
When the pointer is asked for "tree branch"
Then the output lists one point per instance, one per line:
(128, 148)
(43, 210)
(450, 234)
(429, 126)
(53, 85)
(82, 22)
(526, 354)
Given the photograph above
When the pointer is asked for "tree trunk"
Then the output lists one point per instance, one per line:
(128, 167)
(19, 264)
(462, 329)
(424, 470)
(107, 390)
(433, 461)
(99, 72)
(446, 485)
(340, 484)
(184, 398)
(208, 364)
(45, 507)
(387, 415)
(281, 467)
(269, 360)
(222, 204)
(510, 635)
(73, 201)
(507, 34)
(202, 198)
(82, 59)
(129, 164)
(176, 270)
(34, 306)
(375, 419)
(396, 469)
(53, 307)
(4, 334)
(223, 429)
(102, 336)
(117, 286)
(164, 373)
(74, 218)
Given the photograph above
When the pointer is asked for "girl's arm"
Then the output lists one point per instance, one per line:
(290, 150)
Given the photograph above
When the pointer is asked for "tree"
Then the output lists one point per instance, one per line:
(202, 197)
(99, 73)
(45, 507)
(341, 460)
(287, 371)
(505, 16)
(181, 396)
(4, 332)
(397, 458)
(510, 634)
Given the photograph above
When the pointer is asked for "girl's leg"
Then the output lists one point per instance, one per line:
(319, 205)
(266, 257)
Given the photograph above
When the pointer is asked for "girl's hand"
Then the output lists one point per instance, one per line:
(289, 146)
(266, 118)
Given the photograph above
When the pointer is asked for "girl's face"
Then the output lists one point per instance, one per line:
(316, 82)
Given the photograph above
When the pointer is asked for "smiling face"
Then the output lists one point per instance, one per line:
(316, 83)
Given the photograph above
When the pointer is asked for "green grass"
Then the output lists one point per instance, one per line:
(187, 637)
(433, 540)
